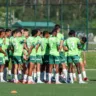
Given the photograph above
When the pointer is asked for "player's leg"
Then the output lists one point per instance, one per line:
(70, 69)
(83, 70)
(78, 67)
(57, 62)
(34, 75)
(32, 61)
(39, 62)
(74, 72)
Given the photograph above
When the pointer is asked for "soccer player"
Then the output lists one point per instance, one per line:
(83, 60)
(39, 56)
(2, 53)
(45, 58)
(72, 44)
(7, 58)
(18, 45)
(61, 52)
(31, 43)
(54, 56)
(25, 54)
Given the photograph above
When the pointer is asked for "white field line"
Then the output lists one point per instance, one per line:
(91, 69)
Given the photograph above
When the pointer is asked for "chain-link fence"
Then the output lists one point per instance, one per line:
(79, 15)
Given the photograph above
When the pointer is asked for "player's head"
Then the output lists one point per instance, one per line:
(54, 32)
(14, 33)
(8, 32)
(46, 34)
(2, 32)
(58, 27)
(83, 40)
(21, 29)
(18, 33)
(26, 32)
(72, 33)
(34, 33)
(39, 32)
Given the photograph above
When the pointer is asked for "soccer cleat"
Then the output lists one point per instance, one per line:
(49, 83)
(82, 82)
(24, 82)
(39, 81)
(30, 82)
(3, 81)
(16, 81)
(58, 82)
(85, 79)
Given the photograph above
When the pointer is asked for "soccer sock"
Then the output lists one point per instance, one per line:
(57, 77)
(9, 72)
(74, 75)
(30, 78)
(47, 76)
(15, 77)
(34, 75)
(19, 72)
(1, 75)
(50, 76)
(25, 77)
(65, 73)
(84, 74)
(44, 75)
(80, 77)
(38, 76)
(71, 77)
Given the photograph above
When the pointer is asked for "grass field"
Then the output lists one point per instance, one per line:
(52, 90)
(56, 90)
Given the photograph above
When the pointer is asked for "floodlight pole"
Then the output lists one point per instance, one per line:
(6, 23)
(87, 19)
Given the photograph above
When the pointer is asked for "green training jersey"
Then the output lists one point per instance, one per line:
(81, 49)
(60, 37)
(31, 41)
(72, 44)
(45, 46)
(54, 42)
(2, 46)
(18, 44)
(39, 41)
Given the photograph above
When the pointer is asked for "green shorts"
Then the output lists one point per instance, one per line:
(2, 60)
(73, 59)
(54, 59)
(62, 57)
(39, 59)
(32, 59)
(45, 59)
(17, 60)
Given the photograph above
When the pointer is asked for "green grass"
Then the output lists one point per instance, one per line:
(52, 90)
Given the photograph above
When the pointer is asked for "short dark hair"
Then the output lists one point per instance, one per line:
(57, 26)
(13, 32)
(18, 31)
(54, 30)
(84, 39)
(45, 32)
(26, 29)
(34, 32)
(71, 33)
(2, 30)
(7, 30)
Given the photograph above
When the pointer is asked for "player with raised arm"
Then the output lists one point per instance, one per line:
(72, 43)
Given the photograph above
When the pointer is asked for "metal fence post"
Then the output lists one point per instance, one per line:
(87, 19)
(6, 23)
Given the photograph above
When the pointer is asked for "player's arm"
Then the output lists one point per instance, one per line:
(65, 48)
(1, 51)
(30, 50)
(38, 45)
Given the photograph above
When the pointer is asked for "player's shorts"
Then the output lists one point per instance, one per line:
(2, 60)
(62, 57)
(45, 59)
(54, 59)
(17, 60)
(73, 59)
(39, 59)
(32, 59)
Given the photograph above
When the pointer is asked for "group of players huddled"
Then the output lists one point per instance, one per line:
(42, 57)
